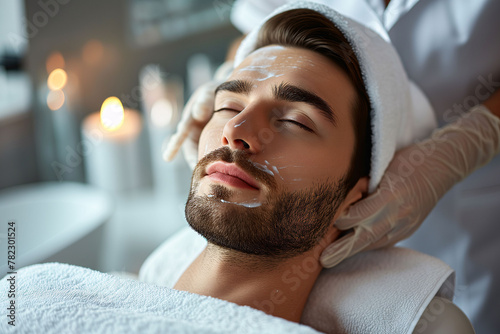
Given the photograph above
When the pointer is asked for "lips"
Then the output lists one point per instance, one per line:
(231, 175)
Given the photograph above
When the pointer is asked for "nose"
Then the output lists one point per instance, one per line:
(242, 131)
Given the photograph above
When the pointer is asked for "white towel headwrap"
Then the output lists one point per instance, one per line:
(396, 103)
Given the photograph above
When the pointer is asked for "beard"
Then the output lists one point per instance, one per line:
(287, 224)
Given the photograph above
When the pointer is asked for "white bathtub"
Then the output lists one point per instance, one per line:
(54, 222)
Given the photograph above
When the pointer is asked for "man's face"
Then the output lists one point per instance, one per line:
(275, 154)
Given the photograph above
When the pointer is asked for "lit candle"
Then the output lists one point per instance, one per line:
(113, 148)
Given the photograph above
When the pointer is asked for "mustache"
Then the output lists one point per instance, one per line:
(239, 158)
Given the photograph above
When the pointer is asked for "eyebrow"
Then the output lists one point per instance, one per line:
(286, 92)
(235, 86)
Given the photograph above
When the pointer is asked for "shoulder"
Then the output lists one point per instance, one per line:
(443, 316)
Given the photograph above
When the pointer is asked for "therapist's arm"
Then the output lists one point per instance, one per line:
(410, 190)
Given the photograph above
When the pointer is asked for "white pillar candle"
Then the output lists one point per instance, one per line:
(162, 101)
(113, 151)
(62, 98)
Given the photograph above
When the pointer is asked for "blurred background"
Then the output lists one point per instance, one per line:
(83, 179)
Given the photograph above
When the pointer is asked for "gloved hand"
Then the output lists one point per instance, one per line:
(195, 116)
(418, 176)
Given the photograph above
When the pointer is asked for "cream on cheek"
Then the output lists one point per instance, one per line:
(287, 172)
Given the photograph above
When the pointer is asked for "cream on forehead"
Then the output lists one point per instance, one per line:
(264, 62)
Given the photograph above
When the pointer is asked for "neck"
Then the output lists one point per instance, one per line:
(276, 287)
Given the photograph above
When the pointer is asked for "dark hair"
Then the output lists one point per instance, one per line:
(308, 29)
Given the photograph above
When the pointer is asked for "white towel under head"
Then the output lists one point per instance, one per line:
(382, 291)
(396, 103)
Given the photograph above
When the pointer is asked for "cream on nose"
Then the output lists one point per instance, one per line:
(241, 133)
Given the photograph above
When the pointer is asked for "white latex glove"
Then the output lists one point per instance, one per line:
(195, 116)
(418, 176)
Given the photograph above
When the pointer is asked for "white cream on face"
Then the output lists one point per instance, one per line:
(264, 69)
(239, 124)
(265, 58)
(274, 170)
(263, 168)
(268, 62)
(245, 204)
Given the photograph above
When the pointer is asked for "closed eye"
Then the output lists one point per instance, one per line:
(302, 126)
(227, 109)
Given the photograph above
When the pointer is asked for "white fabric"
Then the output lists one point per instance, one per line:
(57, 298)
(246, 15)
(450, 49)
(385, 80)
(169, 260)
(380, 291)
(383, 291)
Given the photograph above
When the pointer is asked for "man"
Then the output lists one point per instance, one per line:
(286, 152)
(284, 158)
(451, 50)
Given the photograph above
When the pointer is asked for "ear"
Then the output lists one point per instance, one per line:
(359, 191)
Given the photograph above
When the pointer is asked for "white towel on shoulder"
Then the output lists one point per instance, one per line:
(381, 291)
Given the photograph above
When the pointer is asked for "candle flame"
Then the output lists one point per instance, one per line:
(112, 113)
(57, 79)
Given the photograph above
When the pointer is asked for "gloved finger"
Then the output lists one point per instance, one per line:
(190, 150)
(402, 229)
(357, 214)
(363, 237)
(182, 132)
(203, 105)
(190, 147)
(173, 146)
(196, 106)
(368, 212)
(337, 251)
(345, 247)
(384, 241)
(366, 209)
